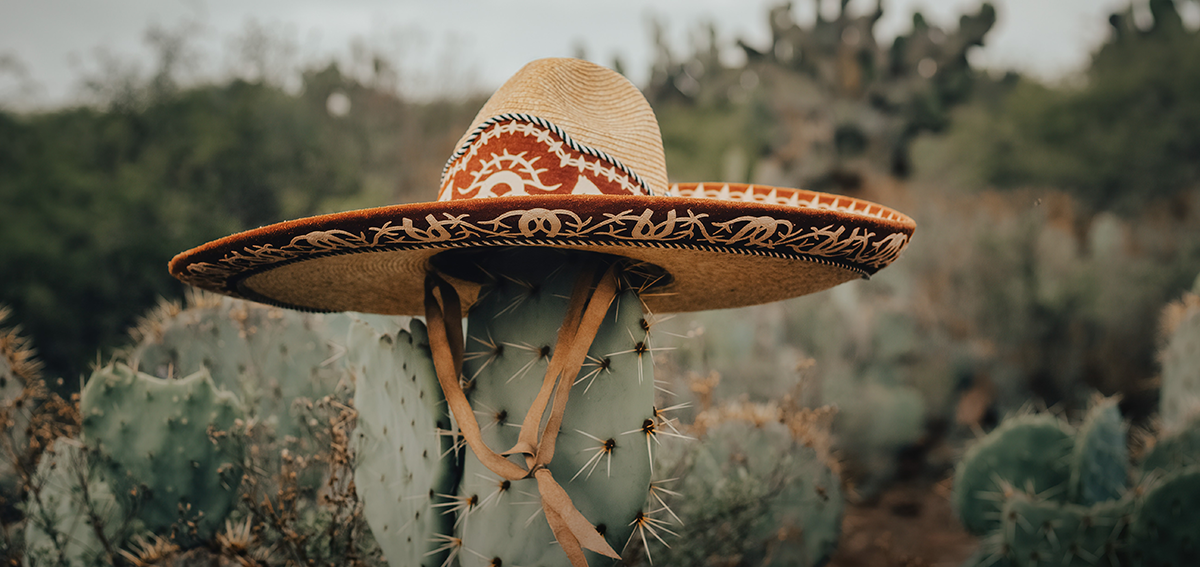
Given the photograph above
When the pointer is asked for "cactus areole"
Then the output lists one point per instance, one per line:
(566, 155)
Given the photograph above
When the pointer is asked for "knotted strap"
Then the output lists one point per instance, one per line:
(585, 313)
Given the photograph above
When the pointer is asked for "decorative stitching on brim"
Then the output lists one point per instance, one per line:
(508, 117)
(233, 285)
(858, 248)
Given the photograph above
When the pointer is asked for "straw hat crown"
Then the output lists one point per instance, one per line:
(596, 106)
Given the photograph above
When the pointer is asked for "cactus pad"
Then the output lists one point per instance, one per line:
(405, 467)
(1166, 530)
(267, 356)
(1030, 453)
(1040, 533)
(1100, 460)
(59, 530)
(165, 448)
(751, 495)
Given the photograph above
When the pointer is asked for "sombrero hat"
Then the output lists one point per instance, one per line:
(566, 155)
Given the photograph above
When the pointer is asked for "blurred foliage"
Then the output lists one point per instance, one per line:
(1033, 291)
(1129, 133)
(821, 107)
(97, 199)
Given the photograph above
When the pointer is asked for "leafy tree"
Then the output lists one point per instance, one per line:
(1131, 133)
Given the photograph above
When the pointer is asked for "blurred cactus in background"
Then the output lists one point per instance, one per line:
(1046, 493)
(758, 487)
(822, 106)
(1180, 359)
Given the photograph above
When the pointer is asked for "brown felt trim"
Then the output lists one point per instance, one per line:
(642, 227)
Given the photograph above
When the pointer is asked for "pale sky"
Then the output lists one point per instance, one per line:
(56, 41)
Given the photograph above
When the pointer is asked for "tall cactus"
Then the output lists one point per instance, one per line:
(608, 431)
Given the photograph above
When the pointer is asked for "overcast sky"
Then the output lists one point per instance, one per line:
(56, 41)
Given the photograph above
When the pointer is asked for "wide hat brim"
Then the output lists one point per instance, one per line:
(718, 246)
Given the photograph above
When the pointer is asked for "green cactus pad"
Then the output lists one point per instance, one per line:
(1100, 461)
(602, 459)
(1030, 453)
(164, 446)
(1180, 395)
(1173, 450)
(752, 495)
(1039, 532)
(404, 462)
(1166, 530)
(268, 356)
(58, 527)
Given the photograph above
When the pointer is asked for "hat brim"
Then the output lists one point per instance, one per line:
(721, 245)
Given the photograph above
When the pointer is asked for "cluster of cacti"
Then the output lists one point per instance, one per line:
(268, 357)
(1047, 493)
(250, 456)
(866, 362)
(757, 488)
(169, 466)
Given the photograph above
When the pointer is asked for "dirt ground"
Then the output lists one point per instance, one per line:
(910, 524)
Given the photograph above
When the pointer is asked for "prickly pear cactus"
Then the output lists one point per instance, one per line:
(609, 430)
(69, 494)
(165, 448)
(1030, 453)
(1166, 530)
(749, 494)
(267, 356)
(406, 470)
(1180, 357)
(1173, 449)
(1100, 460)
(1039, 532)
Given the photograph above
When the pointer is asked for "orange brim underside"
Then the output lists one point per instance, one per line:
(722, 245)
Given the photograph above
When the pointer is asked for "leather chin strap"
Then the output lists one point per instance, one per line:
(585, 313)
